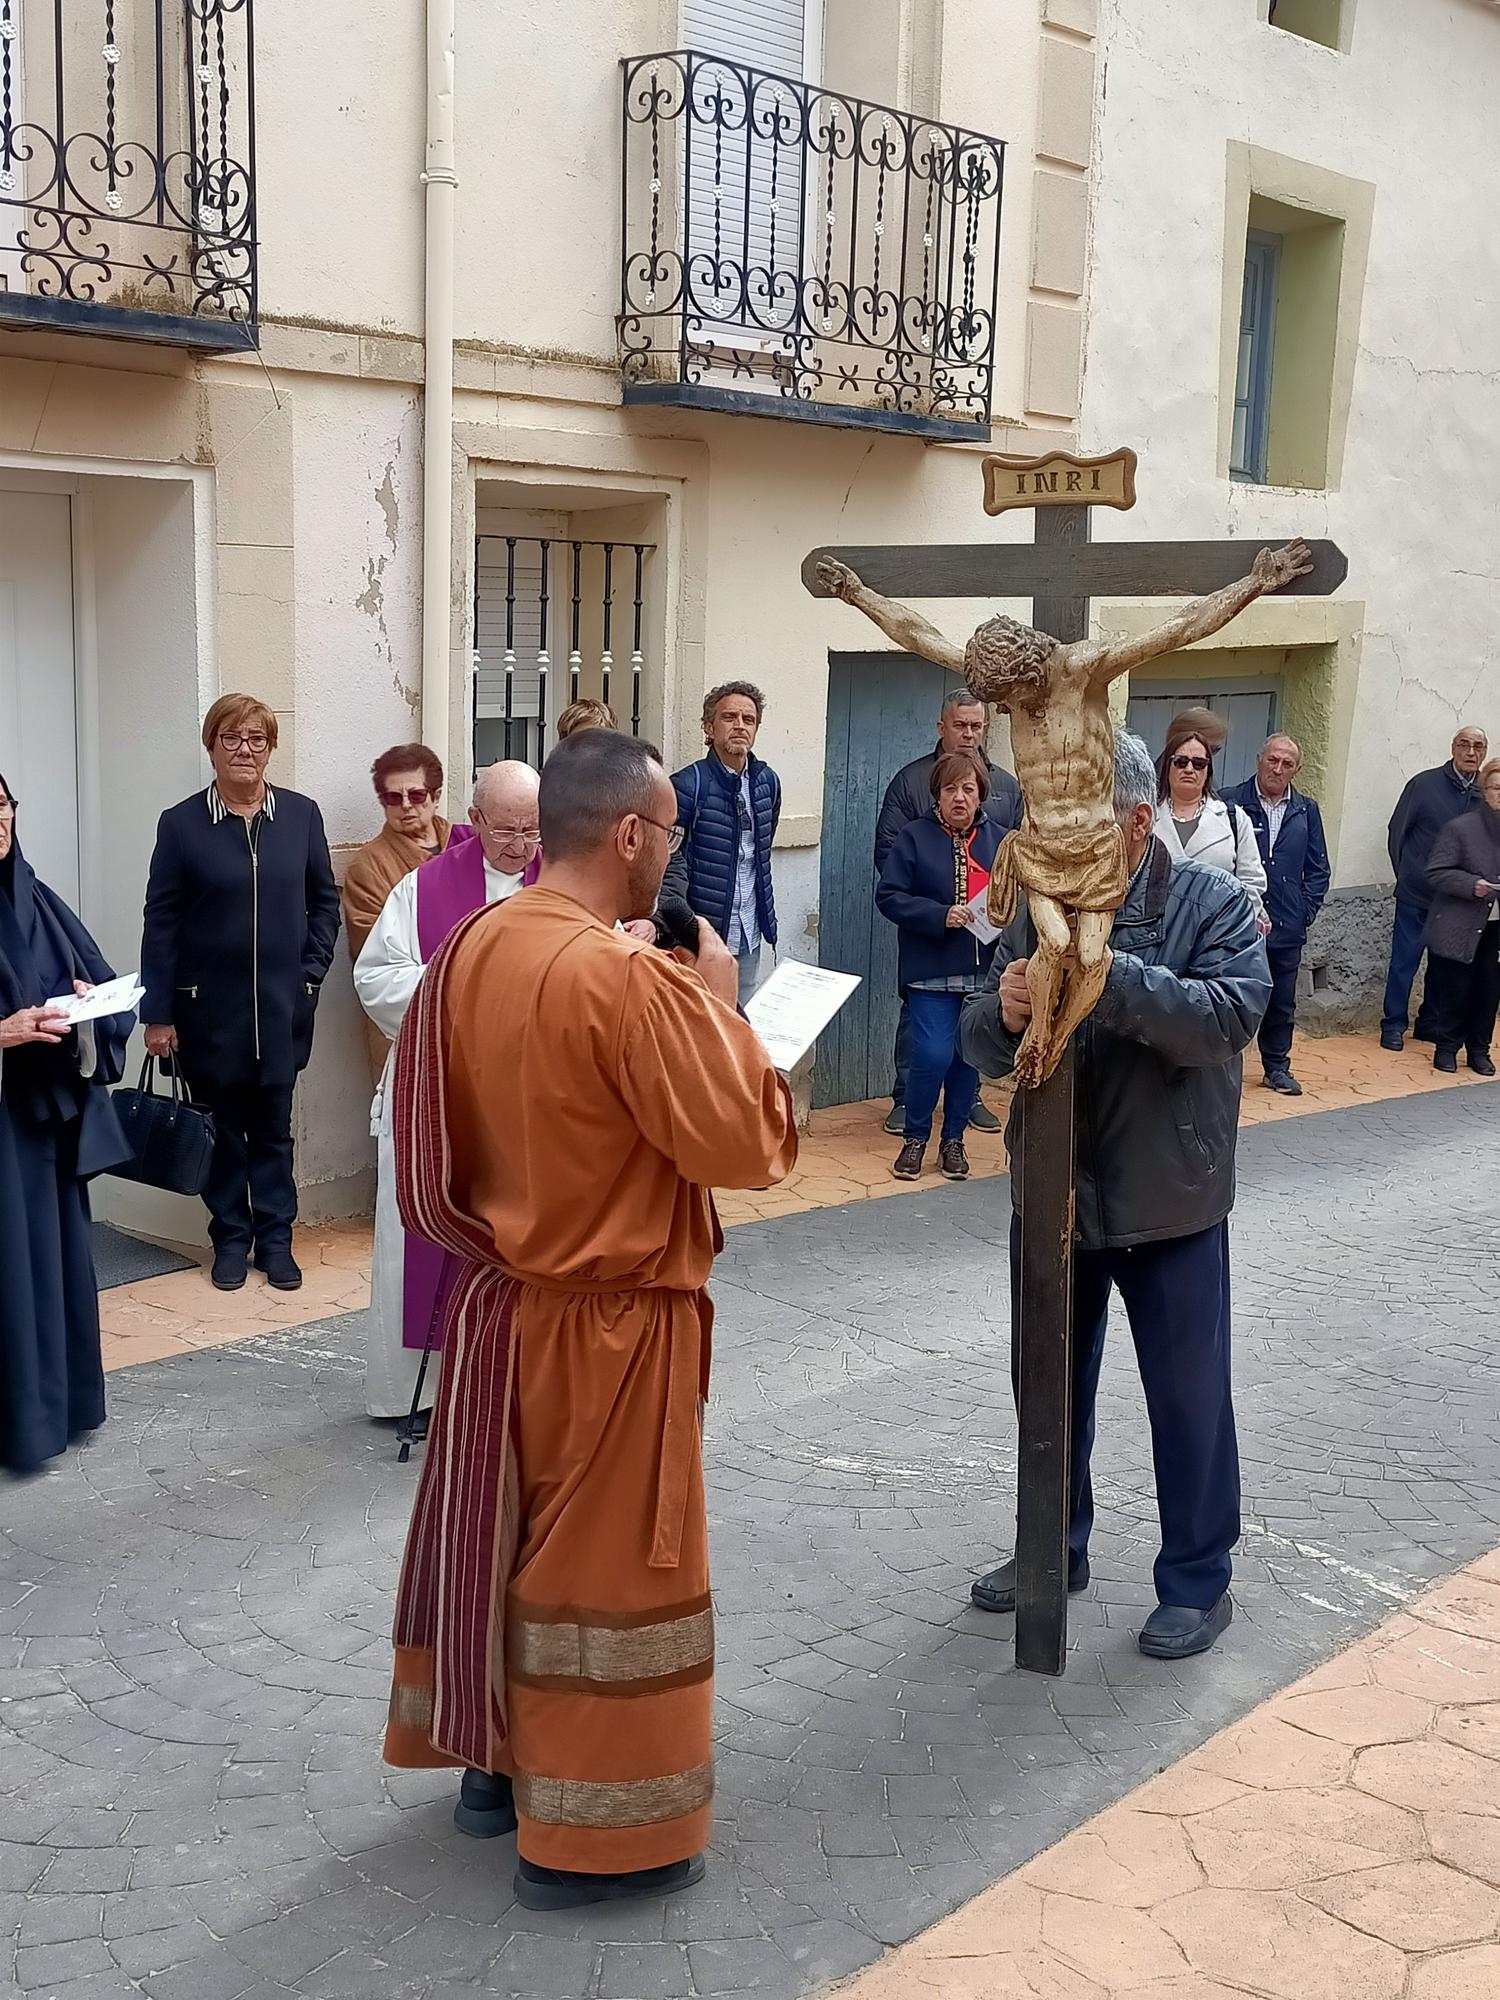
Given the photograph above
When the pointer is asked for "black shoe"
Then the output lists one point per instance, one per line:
(1480, 1062)
(486, 1806)
(281, 1270)
(997, 1591)
(1392, 1039)
(1447, 1061)
(982, 1119)
(953, 1160)
(229, 1271)
(567, 1889)
(909, 1160)
(1177, 1631)
(895, 1121)
(1284, 1081)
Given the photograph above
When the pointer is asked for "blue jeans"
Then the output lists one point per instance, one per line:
(1176, 1296)
(1406, 956)
(749, 971)
(936, 1065)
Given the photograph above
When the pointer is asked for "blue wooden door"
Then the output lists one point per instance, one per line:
(1247, 708)
(882, 712)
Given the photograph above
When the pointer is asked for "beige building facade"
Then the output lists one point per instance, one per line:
(724, 287)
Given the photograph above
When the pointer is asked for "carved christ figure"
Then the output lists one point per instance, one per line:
(1069, 855)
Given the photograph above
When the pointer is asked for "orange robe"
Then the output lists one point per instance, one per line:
(369, 879)
(582, 1092)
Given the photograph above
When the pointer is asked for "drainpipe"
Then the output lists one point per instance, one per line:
(441, 182)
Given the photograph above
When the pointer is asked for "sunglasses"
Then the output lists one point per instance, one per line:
(1190, 763)
(417, 796)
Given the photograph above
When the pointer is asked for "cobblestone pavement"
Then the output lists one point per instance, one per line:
(194, 1609)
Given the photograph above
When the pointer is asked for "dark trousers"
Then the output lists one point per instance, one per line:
(1462, 999)
(1176, 1297)
(936, 1065)
(251, 1196)
(902, 1057)
(1406, 956)
(1276, 1028)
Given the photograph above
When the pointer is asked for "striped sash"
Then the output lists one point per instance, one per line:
(461, 1547)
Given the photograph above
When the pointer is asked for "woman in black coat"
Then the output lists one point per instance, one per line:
(935, 868)
(242, 913)
(57, 1130)
(1463, 934)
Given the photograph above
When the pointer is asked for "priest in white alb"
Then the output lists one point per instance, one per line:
(484, 862)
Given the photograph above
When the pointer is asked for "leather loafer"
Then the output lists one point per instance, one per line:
(565, 1889)
(997, 1591)
(229, 1271)
(1447, 1061)
(486, 1806)
(1392, 1039)
(1481, 1063)
(1177, 1631)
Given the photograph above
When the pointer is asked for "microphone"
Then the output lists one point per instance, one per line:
(676, 924)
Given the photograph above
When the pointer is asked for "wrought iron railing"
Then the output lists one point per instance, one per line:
(127, 167)
(554, 619)
(785, 241)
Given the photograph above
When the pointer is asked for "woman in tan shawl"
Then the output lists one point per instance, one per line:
(408, 784)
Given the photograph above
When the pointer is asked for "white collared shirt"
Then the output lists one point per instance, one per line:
(1275, 814)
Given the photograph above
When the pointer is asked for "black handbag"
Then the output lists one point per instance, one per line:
(171, 1140)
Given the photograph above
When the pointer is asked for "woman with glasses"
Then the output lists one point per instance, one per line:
(409, 787)
(1192, 822)
(57, 1130)
(242, 914)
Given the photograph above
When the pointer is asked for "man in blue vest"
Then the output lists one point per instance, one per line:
(1289, 830)
(728, 806)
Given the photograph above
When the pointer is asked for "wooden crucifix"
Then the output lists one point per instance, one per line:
(1068, 857)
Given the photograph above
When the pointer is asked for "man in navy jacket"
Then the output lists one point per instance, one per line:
(1426, 805)
(728, 806)
(1289, 831)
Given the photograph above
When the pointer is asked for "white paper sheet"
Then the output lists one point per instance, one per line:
(794, 1007)
(982, 928)
(115, 996)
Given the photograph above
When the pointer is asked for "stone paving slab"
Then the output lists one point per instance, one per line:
(194, 1608)
(1341, 1843)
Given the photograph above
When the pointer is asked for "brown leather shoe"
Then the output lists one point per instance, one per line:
(909, 1160)
(953, 1160)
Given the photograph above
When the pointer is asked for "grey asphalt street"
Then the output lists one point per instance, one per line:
(194, 1609)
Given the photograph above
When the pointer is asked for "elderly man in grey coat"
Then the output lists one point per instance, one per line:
(1158, 1095)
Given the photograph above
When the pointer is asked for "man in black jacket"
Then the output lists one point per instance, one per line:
(729, 806)
(1289, 832)
(961, 726)
(1424, 808)
(1158, 1103)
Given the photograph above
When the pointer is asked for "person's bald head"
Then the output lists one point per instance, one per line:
(1470, 747)
(504, 815)
(608, 811)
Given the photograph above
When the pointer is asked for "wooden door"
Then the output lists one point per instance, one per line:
(1248, 709)
(882, 712)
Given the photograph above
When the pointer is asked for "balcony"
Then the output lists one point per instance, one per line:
(127, 169)
(794, 253)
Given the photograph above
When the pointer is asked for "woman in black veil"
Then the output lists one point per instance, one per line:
(57, 1129)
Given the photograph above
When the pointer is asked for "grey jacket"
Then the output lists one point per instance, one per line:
(1465, 852)
(1158, 1088)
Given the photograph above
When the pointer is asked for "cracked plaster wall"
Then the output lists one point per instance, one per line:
(1409, 109)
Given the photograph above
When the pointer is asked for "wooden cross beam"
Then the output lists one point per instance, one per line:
(1060, 571)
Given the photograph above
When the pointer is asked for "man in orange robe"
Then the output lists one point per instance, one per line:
(565, 1097)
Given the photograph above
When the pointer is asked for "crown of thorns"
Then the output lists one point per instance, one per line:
(1006, 653)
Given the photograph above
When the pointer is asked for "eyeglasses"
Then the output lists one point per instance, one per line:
(1189, 763)
(417, 796)
(529, 835)
(256, 741)
(674, 832)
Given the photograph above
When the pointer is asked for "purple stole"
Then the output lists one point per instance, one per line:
(450, 887)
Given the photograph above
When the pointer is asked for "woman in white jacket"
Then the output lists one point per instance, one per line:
(1192, 822)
